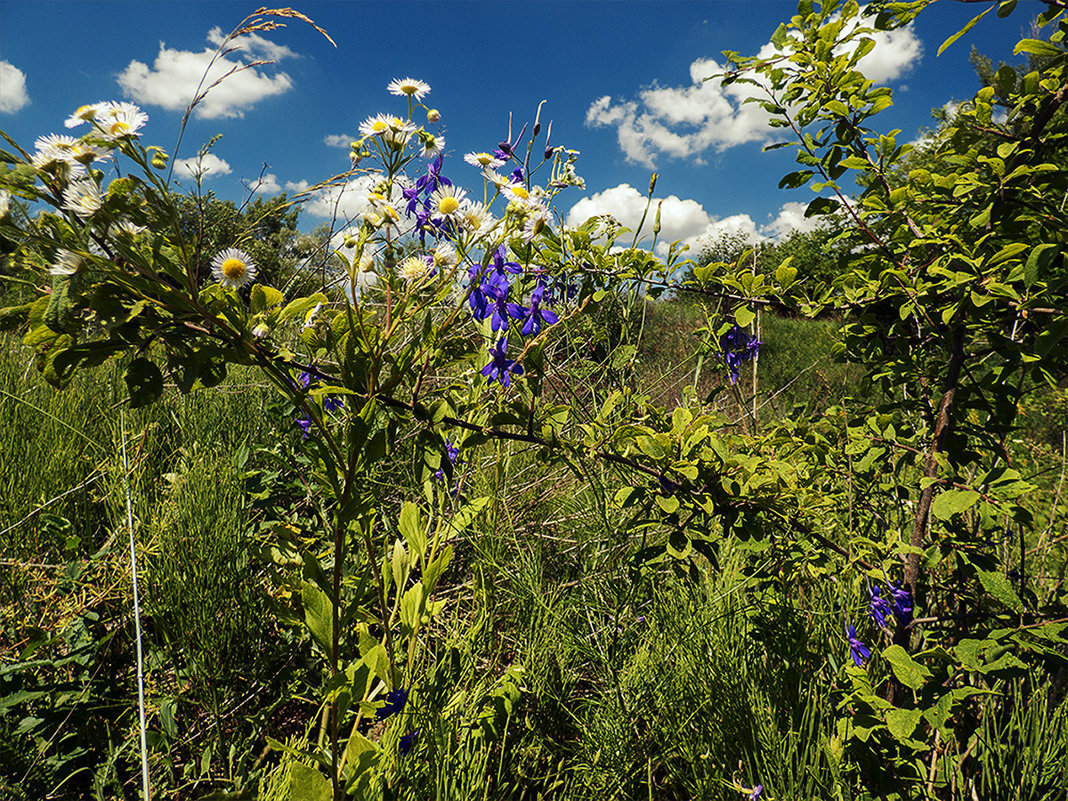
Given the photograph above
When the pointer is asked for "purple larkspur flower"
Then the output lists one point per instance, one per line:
(304, 424)
(535, 316)
(500, 367)
(395, 701)
(753, 796)
(453, 453)
(857, 649)
(737, 347)
(407, 741)
(901, 602)
(878, 606)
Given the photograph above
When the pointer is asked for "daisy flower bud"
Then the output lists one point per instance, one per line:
(433, 115)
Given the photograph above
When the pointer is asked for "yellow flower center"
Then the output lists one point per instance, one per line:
(520, 191)
(119, 128)
(483, 158)
(409, 88)
(378, 126)
(447, 205)
(234, 269)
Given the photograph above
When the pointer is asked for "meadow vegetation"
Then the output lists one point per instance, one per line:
(531, 513)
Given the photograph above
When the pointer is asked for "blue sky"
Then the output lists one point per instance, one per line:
(618, 78)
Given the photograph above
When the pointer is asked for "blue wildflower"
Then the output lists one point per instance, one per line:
(901, 603)
(753, 796)
(500, 367)
(407, 741)
(453, 453)
(737, 347)
(304, 424)
(395, 701)
(878, 606)
(858, 650)
(535, 315)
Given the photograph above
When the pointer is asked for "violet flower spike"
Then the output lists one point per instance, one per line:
(500, 367)
(857, 649)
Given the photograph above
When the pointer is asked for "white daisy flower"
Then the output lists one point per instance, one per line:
(516, 192)
(120, 119)
(444, 255)
(474, 217)
(367, 263)
(495, 177)
(376, 125)
(445, 201)
(84, 114)
(233, 268)
(67, 262)
(432, 145)
(536, 221)
(127, 229)
(408, 87)
(52, 149)
(85, 153)
(83, 198)
(5, 203)
(483, 160)
(414, 268)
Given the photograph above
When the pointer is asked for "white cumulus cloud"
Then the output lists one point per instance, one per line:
(13, 95)
(342, 202)
(173, 78)
(209, 166)
(688, 120)
(266, 184)
(685, 220)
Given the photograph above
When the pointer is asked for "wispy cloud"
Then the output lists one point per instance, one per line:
(173, 78)
(687, 121)
(13, 95)
(339, 140)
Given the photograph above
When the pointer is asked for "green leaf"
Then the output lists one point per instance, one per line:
(908, 671)
(669, 503)
(360, 754)
(743, 315)
(318, 615)
(1038, 262)
(308, 784)
(412, 606)
(144, 382)
(962, 31)
(998, 586)
(1036, 47)
(821, 205)
(411, 528)
(262, 298)
(902, 722)
(785, 274)
(954, 501)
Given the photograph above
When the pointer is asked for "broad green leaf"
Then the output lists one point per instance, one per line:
(743, 315)
(1036, 47)
(1038, 262)
(318, 615)
(262, 298)
(400, 564)
(411, 528)
(301, 305)
(902, 722)
(360, 754)
(908, 671)
(669, 503)
(997, 585)
(308, 784)
(953, 501)
(412, 606)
